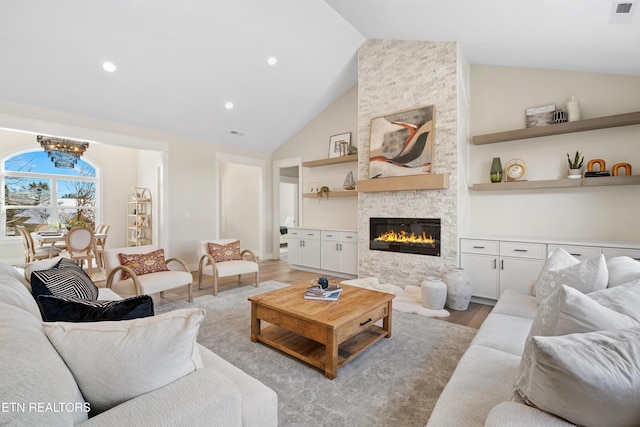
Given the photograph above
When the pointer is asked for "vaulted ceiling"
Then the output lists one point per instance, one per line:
(179, 62)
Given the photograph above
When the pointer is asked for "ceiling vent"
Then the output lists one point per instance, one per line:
(622, 12)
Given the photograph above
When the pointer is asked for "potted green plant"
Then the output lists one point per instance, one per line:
(575, 165)
(324, 190)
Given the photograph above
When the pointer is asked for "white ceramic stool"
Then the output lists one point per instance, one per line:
(434, 293)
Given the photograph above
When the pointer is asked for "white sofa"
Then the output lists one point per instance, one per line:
(481, 390)
(37, 388)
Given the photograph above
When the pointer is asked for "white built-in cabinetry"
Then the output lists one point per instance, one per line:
(323, 250)
(339, 251)
(304, 247)
(495, 265)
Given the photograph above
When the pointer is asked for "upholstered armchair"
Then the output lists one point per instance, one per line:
(223, 258)
(140, 270)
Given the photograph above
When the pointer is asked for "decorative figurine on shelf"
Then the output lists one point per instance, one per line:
(601, 169)
(617, 166)
(349, 182)
(344, 148)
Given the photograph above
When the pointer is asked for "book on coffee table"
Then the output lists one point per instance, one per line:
(331, 297)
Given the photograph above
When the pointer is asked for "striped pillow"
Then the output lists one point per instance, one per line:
(65, 279)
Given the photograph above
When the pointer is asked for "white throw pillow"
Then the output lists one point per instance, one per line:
(117, 361)
(622, 269)
(623, 298)
(590, 379)
(567, 311)
(42, 264)
(561, 268)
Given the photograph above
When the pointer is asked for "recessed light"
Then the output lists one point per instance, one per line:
(228, 105)
(109, 67)
(272, 61)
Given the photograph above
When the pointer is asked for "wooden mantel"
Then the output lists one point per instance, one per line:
(404, 183)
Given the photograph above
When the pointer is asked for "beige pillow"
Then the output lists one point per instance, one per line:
(561, 268)
(590, 379)
(117, 361)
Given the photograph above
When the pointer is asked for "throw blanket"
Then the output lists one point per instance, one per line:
(407, 300)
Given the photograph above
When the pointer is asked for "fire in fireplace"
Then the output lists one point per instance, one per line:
(406, 235)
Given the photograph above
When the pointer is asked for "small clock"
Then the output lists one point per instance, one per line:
(515, 169)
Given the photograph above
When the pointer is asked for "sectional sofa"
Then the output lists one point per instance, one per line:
(38, 388)
(566, 354)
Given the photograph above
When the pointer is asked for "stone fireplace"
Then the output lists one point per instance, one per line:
(405, 235)
(398, 75)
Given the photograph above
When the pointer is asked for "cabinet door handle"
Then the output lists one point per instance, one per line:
(576, 254)
(501, 264)
(337, 247)
(348, 237)
(340, 246)
(478, 247)
(365, 322)
(495, 263)
(329, 235)
(521, 250)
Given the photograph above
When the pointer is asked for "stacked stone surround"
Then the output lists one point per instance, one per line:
(396, 76)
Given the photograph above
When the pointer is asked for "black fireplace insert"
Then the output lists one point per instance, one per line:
(406, 235)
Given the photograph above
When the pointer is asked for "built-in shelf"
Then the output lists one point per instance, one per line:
(331, 161)
(403, 183)
(346, 193)
(559, 183)
(559, 128)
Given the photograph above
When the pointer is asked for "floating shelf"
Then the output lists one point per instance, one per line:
(404, 183)
(345, 193)
(558, 183)
(332, 161)
(559, 128)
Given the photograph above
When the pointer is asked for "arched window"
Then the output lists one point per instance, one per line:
(36, 192)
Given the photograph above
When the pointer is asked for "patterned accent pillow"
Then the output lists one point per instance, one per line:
(59, 309)
(152, 262)
(222, 253)
(65, 279)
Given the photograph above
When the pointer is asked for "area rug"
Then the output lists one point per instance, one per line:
(396, 382)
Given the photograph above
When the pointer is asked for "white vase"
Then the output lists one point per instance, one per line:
(458, 289)
(575, 173)
(434, 293)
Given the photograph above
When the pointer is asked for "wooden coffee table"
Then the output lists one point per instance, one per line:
(325, 334)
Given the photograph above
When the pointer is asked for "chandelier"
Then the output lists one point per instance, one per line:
(64, 153)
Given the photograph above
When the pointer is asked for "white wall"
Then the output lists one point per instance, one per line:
(500, 96)
(312, 143)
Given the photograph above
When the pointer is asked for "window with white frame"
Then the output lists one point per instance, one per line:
(36, 192)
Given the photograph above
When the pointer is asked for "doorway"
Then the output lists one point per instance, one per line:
(287, 202)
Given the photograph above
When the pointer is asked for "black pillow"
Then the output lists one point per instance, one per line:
(65, 279)
(61, 309)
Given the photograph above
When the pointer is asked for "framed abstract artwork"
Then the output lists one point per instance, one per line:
(339, 145)
(402, 143)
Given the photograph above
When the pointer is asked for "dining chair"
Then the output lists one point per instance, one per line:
(79, 242)
(225, 259)
(101, 242)
(31, 251)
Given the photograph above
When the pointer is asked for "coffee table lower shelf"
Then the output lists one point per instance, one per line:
(313, 352)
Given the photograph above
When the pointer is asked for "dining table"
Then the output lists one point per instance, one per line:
(52, 237)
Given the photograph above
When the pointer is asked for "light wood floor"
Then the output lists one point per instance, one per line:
(279, 270)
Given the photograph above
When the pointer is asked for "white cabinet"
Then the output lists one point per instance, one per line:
(329, 250)
(578, 251)
(304, 247)
(339, 251)
(614, 252)
(498, 265)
